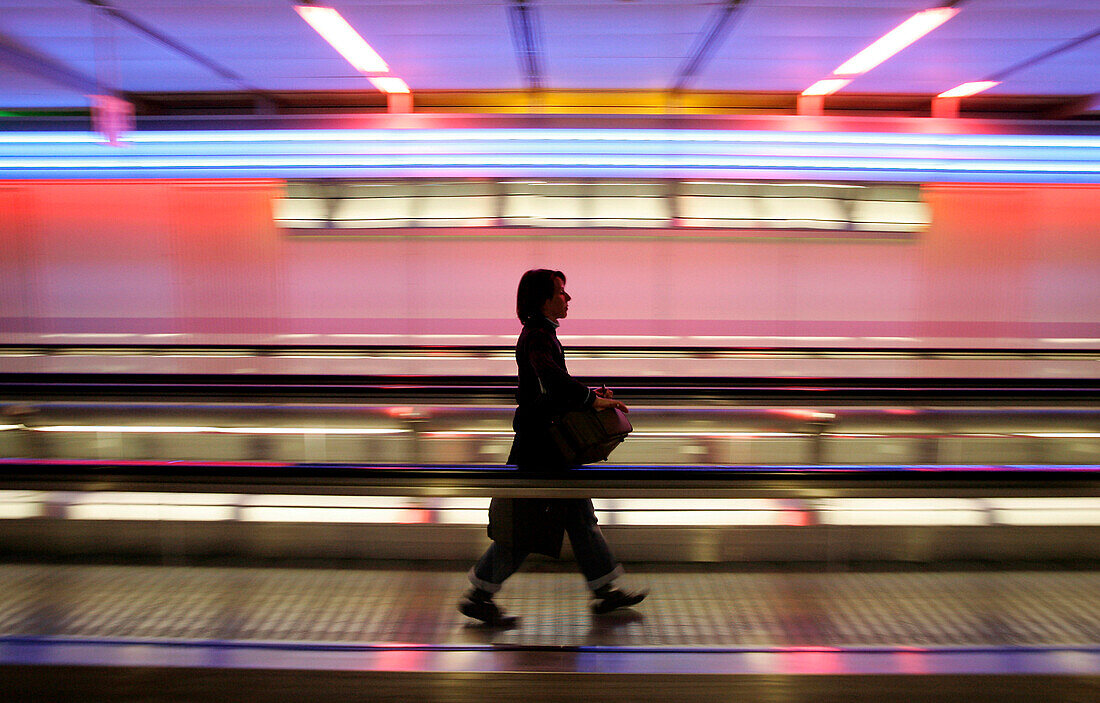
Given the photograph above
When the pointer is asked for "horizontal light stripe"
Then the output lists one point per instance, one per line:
(19, 505)
(20, 511)
(877, 504)
(688, 504)
(1059, 435)
(449, 504)
(581, 339)
(184, 507)
(322, 515)
(903, 517)
(448, 434)
(282, 165)
(509, 152)
(181, 513)
(330, 501)
(219, 430)
(275, 136)
(150, 498)
(901, 511)
(1044, 503)
(685, 512)
(463, 517)
(689, 518)
(1049, 518)
(716, 435)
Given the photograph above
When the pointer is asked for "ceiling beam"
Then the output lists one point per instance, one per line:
(1026, 63)
(713, 34)
(526, 38)
(264, 102)
(27, 60)
(1077, 107)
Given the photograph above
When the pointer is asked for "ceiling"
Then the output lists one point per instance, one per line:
(731, 55)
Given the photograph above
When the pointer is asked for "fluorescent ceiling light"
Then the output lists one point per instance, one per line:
(968, 89)
(826, 87)
(343, 37)
(895, 40)
(389, 84)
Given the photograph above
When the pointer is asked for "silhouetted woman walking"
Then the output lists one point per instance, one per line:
(520, 526)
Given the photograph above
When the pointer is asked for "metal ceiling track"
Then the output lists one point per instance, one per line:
(21, 58)
(715, 32)
(523, 19)
(206, 62)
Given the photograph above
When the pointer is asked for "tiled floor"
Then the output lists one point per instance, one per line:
(707, 611)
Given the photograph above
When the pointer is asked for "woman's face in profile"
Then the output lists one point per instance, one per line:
(558, 306)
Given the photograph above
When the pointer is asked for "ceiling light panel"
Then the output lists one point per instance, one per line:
(343, 37)
(987, 38)
(826, 87)
(886, 46)
(895, 40)
(389, 84)
(967, 89)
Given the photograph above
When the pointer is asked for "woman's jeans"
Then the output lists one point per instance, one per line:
(593, 555)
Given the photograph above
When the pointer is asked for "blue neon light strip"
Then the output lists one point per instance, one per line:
(634, 153)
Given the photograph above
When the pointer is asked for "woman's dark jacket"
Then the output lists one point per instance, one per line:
(545, 390)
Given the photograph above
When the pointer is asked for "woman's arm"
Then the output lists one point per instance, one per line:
(566, 393)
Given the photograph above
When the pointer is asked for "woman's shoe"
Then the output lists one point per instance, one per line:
(481, 607)
(608, 599)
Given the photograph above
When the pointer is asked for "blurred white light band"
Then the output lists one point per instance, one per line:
(1052, 518)
(334, 509)
(1059, 435)
(682, 512)
(155, 511)
(472, 503)
(329, 501)
(901, 511)
(690, 518)
(463, 516)
(911, 518)
(322, 515)
(118, 505)
(706, 504)
(469, 433)
(1051, 511)
(149, 497)
(1044, 503)
(556, 152)
(20, 505)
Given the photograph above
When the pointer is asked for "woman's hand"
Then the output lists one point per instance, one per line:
(605, 403)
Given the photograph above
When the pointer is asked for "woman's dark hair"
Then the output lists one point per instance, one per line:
(535, 288)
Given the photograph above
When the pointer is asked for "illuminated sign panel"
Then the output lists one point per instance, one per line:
(339, 206)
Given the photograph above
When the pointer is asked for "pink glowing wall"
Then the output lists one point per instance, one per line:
(1017, 262)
